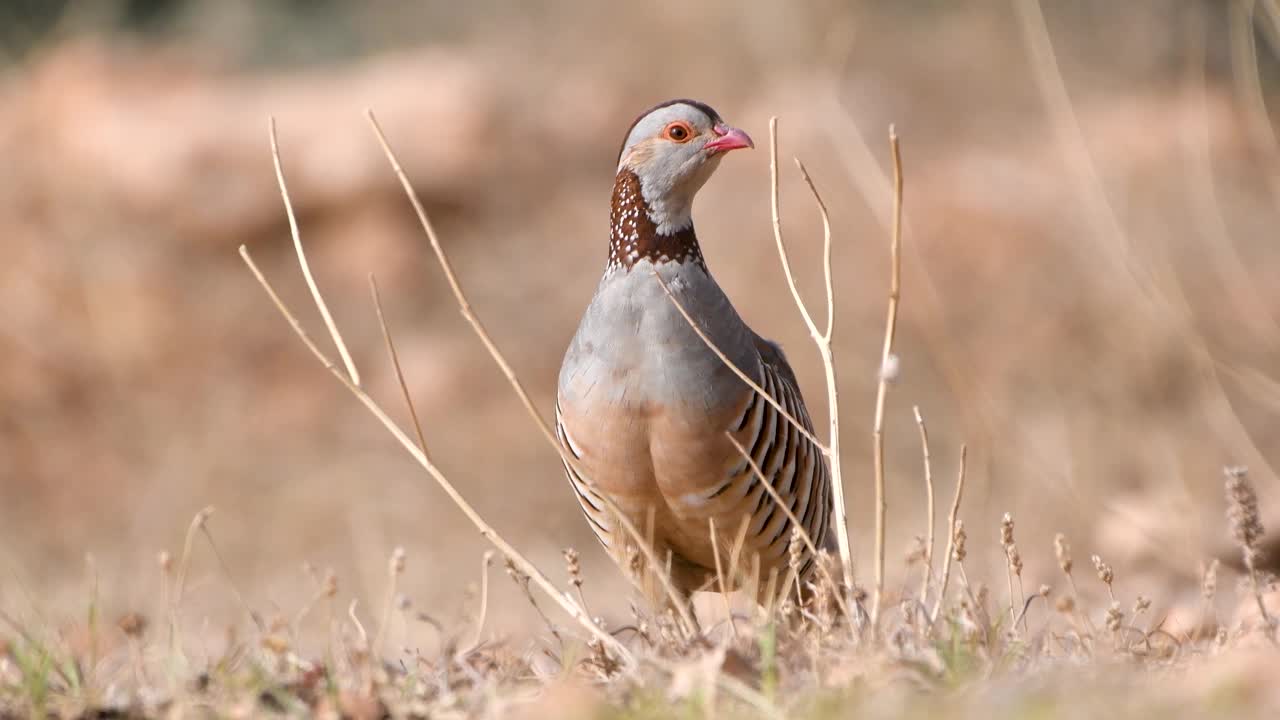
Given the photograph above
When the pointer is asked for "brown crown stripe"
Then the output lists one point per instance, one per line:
(633, 236)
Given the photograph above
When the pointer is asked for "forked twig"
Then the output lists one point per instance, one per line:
(882, 388)
(302, 259)
(951, 529)
(464, 306)
(821, 339)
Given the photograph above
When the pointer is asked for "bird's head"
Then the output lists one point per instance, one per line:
(672, 149)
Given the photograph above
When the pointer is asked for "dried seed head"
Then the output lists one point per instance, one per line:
(277, 644)
(1015, 559)
(958, 538)
(573, 567)
(132, 624)
(165, 561)
(1242, 515)
(795, 551)
(1209, 580)
(915, 551)
(330, 587)
(1105, 574)
(1065, 604)
(1063, 551)
(397, 560)
(635, 561)
(1115, 618)
(1006, 531)
(1140, 605)
(1044, 591)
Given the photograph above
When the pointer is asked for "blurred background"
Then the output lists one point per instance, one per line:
(1091, 292)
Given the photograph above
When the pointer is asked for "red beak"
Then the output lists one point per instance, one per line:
(728, 138)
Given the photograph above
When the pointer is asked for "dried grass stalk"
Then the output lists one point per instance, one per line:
(886, 355)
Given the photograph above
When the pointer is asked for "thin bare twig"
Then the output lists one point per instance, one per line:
(882, 388)
(175, 621)
(355, 620)
(231, 581)
(929, 513)
(952, 517)
(395, 361)
(395, 567)
(485, 561)
(302, 260)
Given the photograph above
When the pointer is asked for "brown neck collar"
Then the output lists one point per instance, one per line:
(633, 236)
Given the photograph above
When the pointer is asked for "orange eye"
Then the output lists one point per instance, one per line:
(678, 131)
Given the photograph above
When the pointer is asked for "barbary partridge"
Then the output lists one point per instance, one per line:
(644, 407)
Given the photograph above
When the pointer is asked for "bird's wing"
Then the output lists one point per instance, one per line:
(730, 491)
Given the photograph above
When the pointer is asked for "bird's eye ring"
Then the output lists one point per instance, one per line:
(678, 131)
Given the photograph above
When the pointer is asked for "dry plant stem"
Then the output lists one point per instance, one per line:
(395, 361)
(393, 580)
(929, 512)
(951, 528)
(484, 599)
(882, 389)
(355, 620)
(565, 601)
(821, 339)
(464, 307)
(188, 542)
(302, 260)
(795, 522)
(720, 580)
(522, 581)
(1013, 601)
(226, 573)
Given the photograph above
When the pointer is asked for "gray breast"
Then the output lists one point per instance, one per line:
(634, 349)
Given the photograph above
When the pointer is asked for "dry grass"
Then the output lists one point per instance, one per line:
(1146, 378)
(826, 655)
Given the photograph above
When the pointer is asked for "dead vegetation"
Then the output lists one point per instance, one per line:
(1000, 625)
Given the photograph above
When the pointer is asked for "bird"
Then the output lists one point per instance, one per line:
(645, 409)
